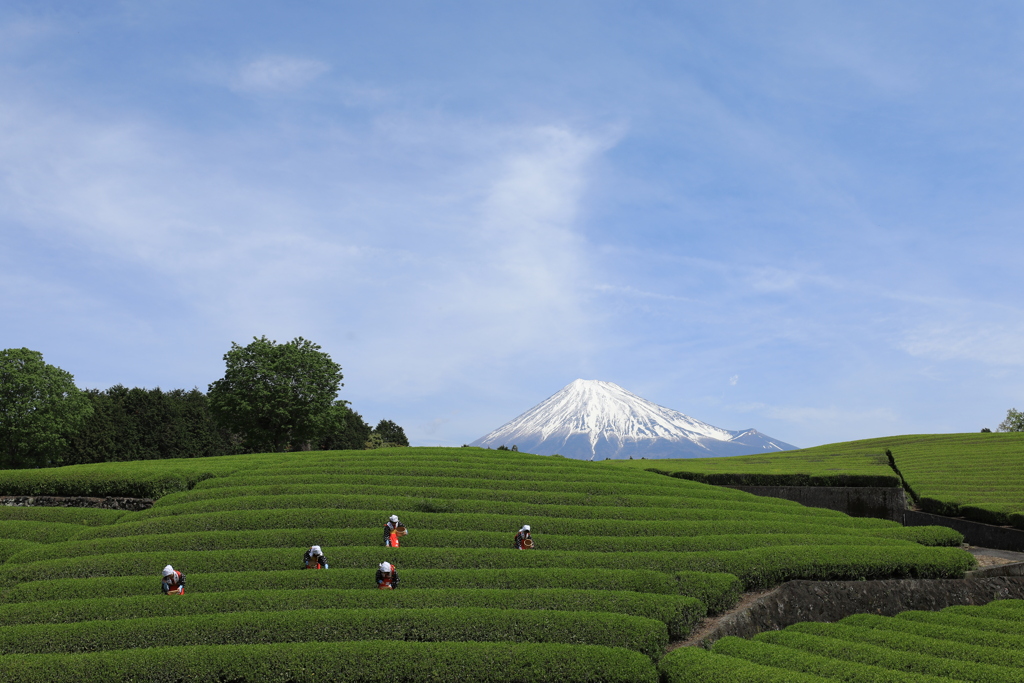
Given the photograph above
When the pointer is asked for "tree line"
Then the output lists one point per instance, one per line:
(273, 398)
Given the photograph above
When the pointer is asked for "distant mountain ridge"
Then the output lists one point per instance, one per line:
(594, 420)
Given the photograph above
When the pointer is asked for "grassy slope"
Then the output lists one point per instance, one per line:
(470, 491)
(978, 475)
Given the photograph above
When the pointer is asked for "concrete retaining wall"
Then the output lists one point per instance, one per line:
(975, 533)
(830, 601)
(130, 504)
(856, 501)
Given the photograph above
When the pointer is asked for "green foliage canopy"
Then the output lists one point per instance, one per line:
(274, 395)
(391, 434)
(40, 407)
(1014, 421)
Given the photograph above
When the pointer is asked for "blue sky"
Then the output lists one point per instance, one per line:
(802, 217)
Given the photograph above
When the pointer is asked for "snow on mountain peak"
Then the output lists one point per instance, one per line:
(591, 418)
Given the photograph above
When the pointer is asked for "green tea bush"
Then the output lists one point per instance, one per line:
(433, 625)
(770, 479)
(39, 532)
(86, 517)
(535, 497)
(961, 633)
(319, 518)
(756, 567)
(580, 512)
(908, 642)
(380, 661)
(10, 547)
(679, 613)
(828, 659)
(697, 665)
(333, 540)
(712, 589)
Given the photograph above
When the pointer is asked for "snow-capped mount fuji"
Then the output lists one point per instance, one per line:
(594, 420)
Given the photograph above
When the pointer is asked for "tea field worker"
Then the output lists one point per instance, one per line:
(174, 582)
(314, 558)
(523, 535)
(387, 576)
(392, 530)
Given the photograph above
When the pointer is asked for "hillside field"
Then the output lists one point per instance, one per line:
(962, 643)
(627, 561)
(979, 476)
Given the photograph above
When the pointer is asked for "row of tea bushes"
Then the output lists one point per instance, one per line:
(678, 612)
(338, 541)
(755, 567)
(380, 661)
(715, 590)
(87, 517)
(984, 644)
(383, 501)
(647, 636)
(509, 494)
(321, 518)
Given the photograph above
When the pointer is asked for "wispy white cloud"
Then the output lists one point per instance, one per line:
(278, 73)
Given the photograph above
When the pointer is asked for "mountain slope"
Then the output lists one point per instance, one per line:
(590, 419)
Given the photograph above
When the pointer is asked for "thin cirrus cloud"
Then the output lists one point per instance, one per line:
(277, 73)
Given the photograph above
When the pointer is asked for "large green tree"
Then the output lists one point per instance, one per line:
(391, 434)
(40, 408)
(1014, 421)
(147, 424)
(348, 430)
(276, 396)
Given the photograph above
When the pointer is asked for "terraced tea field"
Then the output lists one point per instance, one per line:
(964, 643)
(626, 562)
(977, 476)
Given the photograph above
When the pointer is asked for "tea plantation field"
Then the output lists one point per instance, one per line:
(626, 562)
(977, 476)
(964, 643)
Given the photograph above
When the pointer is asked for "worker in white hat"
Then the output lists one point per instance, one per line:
(523, 535)
(387, 576)
(392, 531)
(173, 582)
(314, 558)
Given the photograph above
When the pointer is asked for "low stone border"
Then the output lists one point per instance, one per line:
(830, 601)
(110, 503)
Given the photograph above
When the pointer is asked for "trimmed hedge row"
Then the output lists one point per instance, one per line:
(9, 547)
(908, 642)
(986, 515)
(697, 665)
(39, 532)
(678, 612)
(756, 567)
(630, 486)
(958, 619)
(717, 591)
(902, 664)
(382, 661)
(767, 479)
(320, 518)
(829, 659)
(334, 541)
(683, 499)
(383, 502)
(86, 517)
(959, 630)
(432, 625)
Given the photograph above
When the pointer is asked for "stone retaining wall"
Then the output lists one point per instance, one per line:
(129, 504)
(856, 501)
(975, 533)
(796, 601)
